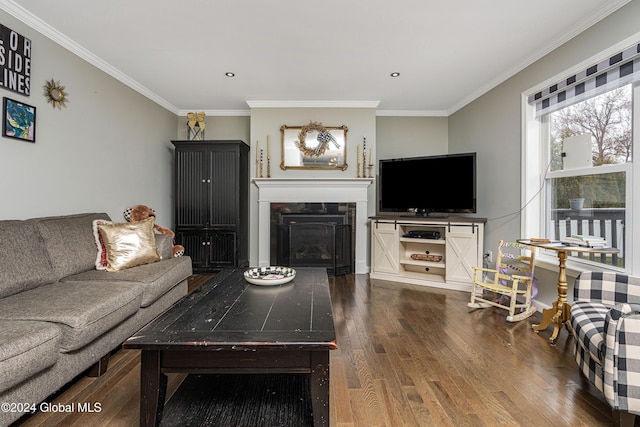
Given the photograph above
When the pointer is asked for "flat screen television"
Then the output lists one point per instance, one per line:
(421, 185)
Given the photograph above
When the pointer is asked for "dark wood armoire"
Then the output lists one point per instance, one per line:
(212, 202)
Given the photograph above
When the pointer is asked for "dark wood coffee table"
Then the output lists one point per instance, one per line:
(231, 326)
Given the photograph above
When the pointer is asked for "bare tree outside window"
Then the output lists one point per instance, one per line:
(607, 118)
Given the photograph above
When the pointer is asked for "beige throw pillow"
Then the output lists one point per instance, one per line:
(129, 244)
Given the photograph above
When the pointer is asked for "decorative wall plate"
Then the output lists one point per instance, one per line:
(269, 276)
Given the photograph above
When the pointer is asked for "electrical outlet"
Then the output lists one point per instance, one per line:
(489, 256)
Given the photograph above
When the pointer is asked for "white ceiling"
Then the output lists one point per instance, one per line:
(331, 52)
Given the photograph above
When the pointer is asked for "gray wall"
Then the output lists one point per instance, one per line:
(491, 126)
(411, 136)
(108, 150)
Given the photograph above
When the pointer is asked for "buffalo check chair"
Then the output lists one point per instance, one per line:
(605, 320)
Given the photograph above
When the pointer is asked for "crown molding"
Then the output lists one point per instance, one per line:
(412, 113)
(208, 113)
(313, 104)
(46, 30)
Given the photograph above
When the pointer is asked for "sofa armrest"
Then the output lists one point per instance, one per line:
(164, 245)
(622, 357)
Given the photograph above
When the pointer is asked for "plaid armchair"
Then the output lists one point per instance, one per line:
(605, 319)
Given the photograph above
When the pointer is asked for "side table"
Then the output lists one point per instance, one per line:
(558, 313)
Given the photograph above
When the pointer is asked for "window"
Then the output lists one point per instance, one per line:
(578, 163)
(587, 196)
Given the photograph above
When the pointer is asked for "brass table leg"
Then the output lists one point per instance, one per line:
(558, 314)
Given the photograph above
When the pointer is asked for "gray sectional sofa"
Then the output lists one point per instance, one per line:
(59, 315)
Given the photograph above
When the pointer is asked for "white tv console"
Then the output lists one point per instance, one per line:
(457, 240)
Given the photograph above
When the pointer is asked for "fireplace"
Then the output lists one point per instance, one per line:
(319, 235)
(314, 193)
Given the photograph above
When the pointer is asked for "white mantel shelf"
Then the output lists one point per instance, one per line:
(312, 182)
(313, 190)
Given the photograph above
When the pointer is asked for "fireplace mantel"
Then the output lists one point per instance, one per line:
(313, 190)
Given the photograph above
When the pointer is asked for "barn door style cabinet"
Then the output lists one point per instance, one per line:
(212, 202)
(438, 252)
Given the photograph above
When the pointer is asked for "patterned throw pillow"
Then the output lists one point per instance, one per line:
(101, 258)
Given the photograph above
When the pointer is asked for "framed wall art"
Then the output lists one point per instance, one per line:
(314, 146)
(19, 120)
(15, 61)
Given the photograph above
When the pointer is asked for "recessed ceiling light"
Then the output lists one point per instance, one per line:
(395, 74)
(229, 74)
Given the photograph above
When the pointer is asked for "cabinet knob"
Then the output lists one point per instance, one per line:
(426, 269)
(204, 243)
(204, 180)
(208, 181)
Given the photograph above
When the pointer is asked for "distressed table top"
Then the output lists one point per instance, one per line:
(228, 313)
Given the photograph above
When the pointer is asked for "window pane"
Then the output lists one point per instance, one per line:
(592, 205)
(606, 118)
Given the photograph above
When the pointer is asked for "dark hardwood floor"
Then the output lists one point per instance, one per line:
(407, 356)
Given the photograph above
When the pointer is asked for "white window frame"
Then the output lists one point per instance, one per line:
(535, 160)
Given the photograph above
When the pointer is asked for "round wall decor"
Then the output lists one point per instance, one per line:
(55, 94)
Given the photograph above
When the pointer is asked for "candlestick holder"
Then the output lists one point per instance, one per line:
(364, 164)
(369, 170)
(268, 167)
(261, 169)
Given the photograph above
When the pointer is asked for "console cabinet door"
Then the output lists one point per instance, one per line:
(223, 190)
(385, 248)
(222, 249)
(195, 244)
(191, 186)
(462, 253)
(209, 250)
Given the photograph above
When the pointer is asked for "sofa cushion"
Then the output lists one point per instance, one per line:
(153, 279)
(69, 242)
(26, 348)
(587, 323)
(82, 310)
(164, 244)
(24, 261)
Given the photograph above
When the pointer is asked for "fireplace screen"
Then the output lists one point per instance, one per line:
(315, 240)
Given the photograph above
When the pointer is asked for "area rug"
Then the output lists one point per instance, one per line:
(246, 400)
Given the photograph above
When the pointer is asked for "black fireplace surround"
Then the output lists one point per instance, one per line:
(314, 235)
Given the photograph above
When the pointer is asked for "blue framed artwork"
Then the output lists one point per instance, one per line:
(19, 120)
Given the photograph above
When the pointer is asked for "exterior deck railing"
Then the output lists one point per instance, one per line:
(602, 222)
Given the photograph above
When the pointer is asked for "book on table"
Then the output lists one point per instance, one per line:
(585, 240)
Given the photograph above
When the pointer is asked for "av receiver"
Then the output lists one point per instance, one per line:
(423, 234)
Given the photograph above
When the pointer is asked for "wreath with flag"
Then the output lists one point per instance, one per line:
(323, 138)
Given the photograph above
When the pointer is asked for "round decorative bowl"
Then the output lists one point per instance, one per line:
(269, 276)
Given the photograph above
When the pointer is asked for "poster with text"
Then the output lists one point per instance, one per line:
(15, 61)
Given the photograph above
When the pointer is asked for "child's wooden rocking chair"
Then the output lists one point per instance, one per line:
(510, 284)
